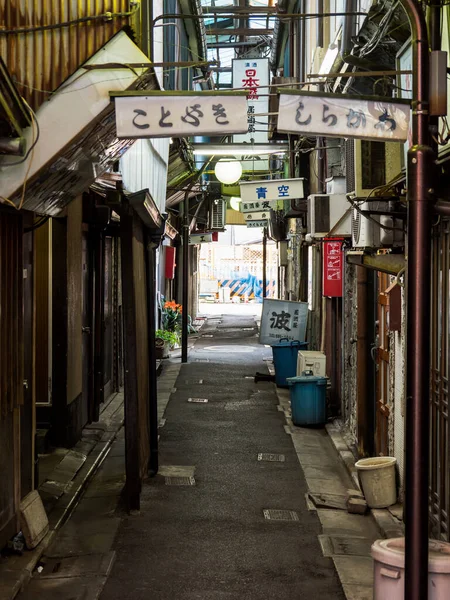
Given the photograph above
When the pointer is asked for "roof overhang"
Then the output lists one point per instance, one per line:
(392, 264)
(77, 140)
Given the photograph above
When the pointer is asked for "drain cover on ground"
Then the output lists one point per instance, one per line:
(198, 400)
(271, 457)
(280, 515)
(179, 480)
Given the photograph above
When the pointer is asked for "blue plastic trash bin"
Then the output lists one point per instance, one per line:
(285, 360)
(308, 399)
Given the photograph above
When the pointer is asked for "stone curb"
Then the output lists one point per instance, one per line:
(32, 558)
(386, 523)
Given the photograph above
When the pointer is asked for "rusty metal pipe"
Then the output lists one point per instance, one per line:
(420, 176)
(442, 208)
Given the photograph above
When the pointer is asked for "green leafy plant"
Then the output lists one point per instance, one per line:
(169, 337)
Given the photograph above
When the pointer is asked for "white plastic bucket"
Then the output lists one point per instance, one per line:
(377, 476)
(389, 569)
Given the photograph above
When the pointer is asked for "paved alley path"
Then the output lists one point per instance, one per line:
(211, 541)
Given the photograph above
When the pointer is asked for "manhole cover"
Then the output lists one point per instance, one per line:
(179, 480)
(280, 515)
(198, 400)
(271, 457)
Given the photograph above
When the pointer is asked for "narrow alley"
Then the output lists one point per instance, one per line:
(226, 517)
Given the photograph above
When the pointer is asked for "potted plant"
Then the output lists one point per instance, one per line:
(164, 340)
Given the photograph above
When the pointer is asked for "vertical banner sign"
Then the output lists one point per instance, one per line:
(253, 75)
(283, 320)
(333, 262)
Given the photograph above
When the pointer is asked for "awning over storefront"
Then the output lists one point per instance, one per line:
(74, 133)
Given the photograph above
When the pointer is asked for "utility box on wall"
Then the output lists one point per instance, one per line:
(170, 262)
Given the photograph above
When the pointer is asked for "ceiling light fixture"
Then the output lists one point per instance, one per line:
(239, 149)
(228, 171)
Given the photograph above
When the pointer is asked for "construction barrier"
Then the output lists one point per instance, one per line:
(249, 287)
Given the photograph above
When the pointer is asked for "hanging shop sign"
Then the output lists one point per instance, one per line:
(333, 261)
(256, 224)
(249, 207)
(262, 215)
(143, 114)
(344, 116)
(253, 75)
(200, 238)
(281, 320)
(271, 190)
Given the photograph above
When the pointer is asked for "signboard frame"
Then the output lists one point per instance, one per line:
(332, 120)
(278, 321)
(257, 131)
(175, 117)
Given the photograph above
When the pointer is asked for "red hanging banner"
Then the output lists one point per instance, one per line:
(333, 268)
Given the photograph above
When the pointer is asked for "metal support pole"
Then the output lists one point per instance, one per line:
(420, 204)
(152, 385)
(185, 290)
(264, 277)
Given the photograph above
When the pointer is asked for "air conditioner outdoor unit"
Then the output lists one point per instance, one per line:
(217, 215)
(365, 229)
(366, 164)
(329, 214)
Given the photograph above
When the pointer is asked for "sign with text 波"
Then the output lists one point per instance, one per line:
(282, 319)
(256, 224)
(271, 190)
(147, 115)
(333, 268)
(252, 75)
(343, 116)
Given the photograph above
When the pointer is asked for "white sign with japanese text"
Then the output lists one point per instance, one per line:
(282, 319)
(273, 189)
(159, 115)
(200, 238)
(344, 116)
(257, 216)
(247, 207)
(256, 224)
(253, 75)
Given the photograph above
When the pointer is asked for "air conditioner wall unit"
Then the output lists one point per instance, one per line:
(368, 166)
(366, 230)
(329, 214)
(217, 214)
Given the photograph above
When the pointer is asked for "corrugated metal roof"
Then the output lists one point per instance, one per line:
(40, 53)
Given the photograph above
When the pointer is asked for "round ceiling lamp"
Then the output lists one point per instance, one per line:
(235, 203)
(228, 171)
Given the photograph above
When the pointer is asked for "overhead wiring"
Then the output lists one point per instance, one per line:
(108, 16)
